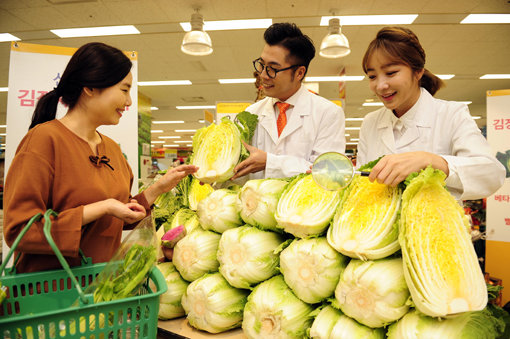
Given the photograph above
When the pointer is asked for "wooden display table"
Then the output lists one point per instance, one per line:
(181, 328)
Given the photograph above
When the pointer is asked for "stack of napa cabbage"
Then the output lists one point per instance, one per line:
(283, 258)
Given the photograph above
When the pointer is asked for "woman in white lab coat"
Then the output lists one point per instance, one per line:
(414, 129)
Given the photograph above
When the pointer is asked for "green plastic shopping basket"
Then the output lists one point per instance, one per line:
(39, 305)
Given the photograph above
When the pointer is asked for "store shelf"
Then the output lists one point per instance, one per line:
(181, 327)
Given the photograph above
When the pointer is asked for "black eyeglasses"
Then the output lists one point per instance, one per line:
(271, 71)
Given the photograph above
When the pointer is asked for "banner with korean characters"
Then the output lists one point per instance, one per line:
(498, 205)
(36, 69)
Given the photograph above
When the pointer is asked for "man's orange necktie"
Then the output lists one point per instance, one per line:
(282, 117)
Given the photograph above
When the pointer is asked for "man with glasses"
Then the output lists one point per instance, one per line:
(295, 126)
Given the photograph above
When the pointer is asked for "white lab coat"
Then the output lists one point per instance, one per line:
(444, 128)
(316, 125)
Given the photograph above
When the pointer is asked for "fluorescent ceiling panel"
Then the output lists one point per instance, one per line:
(357, 20)
(196, 107)
(335, 78)
(445, 76)
(237, 81)
(8, 37)
(185, 130)
(221, 25)
(495, 76)
(352, 128)
(353, 119)
(95, 31)
(164, 83)
(486, 19)
(4, 89)
(368, 104)
(156, 131)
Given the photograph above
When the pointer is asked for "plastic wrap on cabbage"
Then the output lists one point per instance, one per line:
(273, 311)
(217, 148)
(212, 305)
(468, 325)
(373, 292)
(248, 255)
(258, 200)
(312, 268)
(365, 225)
(195, 254)
(440, 264)
(219, 211)
(305, 209)
(170, 306)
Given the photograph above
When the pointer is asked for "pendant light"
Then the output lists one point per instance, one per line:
(335, 44)
(197, 41)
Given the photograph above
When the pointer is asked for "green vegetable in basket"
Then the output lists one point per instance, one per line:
(129, 275)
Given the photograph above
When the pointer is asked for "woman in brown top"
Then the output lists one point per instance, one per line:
(68, 166)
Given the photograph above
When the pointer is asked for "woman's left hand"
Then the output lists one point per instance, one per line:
(394, 168)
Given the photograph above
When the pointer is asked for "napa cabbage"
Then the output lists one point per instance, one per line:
(184, 217)
(312, 268)
(217, 148)
(197, 192)
(373, 292)
(305, 209)
(170, 306)
(467, 325)
(219, 211)
(273, 311)
(247, 255)
(440, 264)
(212, 305)
(195, 254)
(258, 200)
(365, 225)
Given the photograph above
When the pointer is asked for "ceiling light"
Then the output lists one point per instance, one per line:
(347, 135)
(185, 130)
(4, 89)
(486, 19)
(465, 102)
(154, 108)
(156, 131)
(169, 137)
(197, 42)
(351, 143)
(476, 117)
(355, 20)
(237, 81)
(157, 142)
(168, 122)
(182, 141)
(352, 128)
(196, 107)
(220, 25)
(8, 37)
(335, 78)
(171, 146)
(445, 76)
(354, 139)
(95, 31)
(164, 83)
(335, 43)
(152, 145)
(495, 76)
(367, 104)
(353, 119)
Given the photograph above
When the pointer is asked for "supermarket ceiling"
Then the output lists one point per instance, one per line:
(466, 50)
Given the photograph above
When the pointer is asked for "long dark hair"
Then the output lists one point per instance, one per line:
(402, 44)
(93, 65)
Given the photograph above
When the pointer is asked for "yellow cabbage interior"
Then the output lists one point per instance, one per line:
(308, 194)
